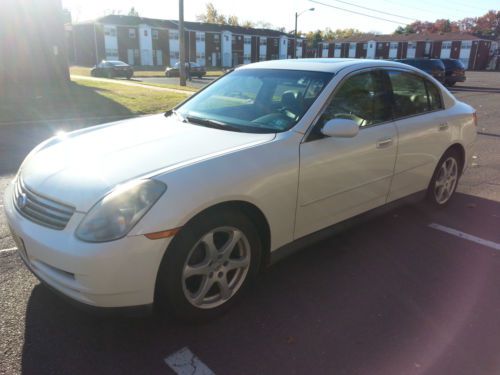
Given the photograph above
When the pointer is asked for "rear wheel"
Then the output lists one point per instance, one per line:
(208, 266)
(445, 179)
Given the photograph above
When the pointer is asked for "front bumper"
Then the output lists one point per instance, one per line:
(119, 273)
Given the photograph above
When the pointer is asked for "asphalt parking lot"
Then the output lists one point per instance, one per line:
(414, 291)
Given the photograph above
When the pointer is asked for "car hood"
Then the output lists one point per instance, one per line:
(79, 168)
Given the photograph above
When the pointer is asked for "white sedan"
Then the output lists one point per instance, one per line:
(184, 209)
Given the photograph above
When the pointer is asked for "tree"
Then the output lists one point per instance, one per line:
(248, 24)
(232, 20)
(487, 25)
(313, 38)
(133, 12)
(212, 15)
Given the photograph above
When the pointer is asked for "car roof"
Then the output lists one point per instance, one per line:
(329, 65)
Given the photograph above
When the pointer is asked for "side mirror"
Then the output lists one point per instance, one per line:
(340, 128)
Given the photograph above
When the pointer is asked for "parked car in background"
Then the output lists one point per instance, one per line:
(454, 71)
(184, 209)
(196, 70)
(112, 69)
(434, 67)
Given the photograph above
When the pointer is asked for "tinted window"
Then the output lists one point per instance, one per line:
(410, 95)
(118, 63)
(435, 101)
(453, 64)
(361, 98)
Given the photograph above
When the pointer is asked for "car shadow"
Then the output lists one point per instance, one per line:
(389, 296)
(32, 114)
(465, 88)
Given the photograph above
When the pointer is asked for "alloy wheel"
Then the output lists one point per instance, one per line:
(446, 180)
(216, 267)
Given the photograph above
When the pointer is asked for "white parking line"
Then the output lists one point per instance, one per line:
(466, 236)
(8, 250)
(184, 362)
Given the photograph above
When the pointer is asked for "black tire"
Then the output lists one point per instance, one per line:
(129, 76)
(170, 294)
(432, 190)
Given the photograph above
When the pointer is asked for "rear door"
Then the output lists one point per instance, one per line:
(342, 177)
(423, 131)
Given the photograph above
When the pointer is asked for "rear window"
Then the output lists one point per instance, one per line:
(413, 95)
(453, 64)
(425, 64)
(117, 63)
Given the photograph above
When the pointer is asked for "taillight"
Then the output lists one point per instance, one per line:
(474, 118)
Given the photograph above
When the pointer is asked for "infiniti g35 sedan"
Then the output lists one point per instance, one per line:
(183, 209)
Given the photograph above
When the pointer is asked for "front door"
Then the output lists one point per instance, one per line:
(342, 177)
(130, 56)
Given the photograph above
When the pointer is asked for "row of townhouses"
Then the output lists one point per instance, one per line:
(147, 41)
(475, 53)
(155, 42)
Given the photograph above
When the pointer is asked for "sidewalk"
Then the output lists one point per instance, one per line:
(131, 83)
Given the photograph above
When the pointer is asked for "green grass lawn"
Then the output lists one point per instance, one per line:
(142, 71)
(82, 99)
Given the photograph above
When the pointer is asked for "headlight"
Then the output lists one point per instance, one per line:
(117, 213)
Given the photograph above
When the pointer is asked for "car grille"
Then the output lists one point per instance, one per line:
(39, 209)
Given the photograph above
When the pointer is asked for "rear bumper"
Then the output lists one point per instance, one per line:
(454, 79)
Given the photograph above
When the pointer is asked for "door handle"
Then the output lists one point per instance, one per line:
(443, 126)
(382, 143)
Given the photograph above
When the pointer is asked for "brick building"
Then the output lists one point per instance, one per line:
(476, 53)
(32, 45)
(155, 42)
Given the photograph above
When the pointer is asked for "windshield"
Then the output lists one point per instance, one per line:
(117, 63)
(256, 100)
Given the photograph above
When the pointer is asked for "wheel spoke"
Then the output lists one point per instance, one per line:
(451, 167)
(440, 182)
(225, 292)
(202, 292)
(440, 193)
(238, 263)
(195, 270)
(208, 240)
(229, 246)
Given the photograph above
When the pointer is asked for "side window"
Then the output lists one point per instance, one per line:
(410, 94)
(435, 101)
(361, 98)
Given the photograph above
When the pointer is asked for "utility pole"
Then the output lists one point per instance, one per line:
(295, 38)
(295, 34)
(182, 52)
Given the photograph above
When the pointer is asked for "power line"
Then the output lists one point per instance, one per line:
(359, 13)
(374, 10)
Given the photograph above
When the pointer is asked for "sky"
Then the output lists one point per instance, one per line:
(281, 13)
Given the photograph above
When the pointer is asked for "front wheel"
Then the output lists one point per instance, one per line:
(208, 265)
(445, 179)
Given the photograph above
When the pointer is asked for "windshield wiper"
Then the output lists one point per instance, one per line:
(176, 113)
(209, 123)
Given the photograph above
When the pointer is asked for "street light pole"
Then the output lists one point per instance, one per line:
(182, 54)
(295, 38)
(295, 34)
